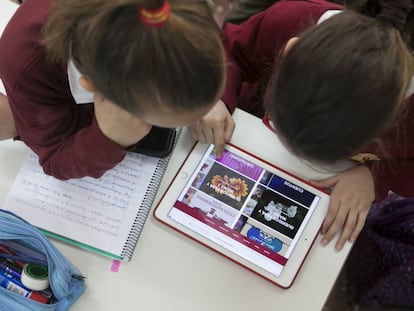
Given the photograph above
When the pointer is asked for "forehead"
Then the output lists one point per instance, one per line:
(168, 117)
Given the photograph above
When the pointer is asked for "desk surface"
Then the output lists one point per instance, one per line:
(171, 272)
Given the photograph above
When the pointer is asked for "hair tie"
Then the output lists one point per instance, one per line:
(395, 12)
(155, 18)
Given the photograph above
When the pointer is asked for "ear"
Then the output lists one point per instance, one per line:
(291, 42)
(87, 84)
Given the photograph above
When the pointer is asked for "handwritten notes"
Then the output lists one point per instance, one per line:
(97, 212)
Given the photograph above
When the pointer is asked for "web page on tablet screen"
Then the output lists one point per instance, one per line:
(245, 208)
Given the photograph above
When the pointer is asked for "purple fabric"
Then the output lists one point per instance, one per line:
(380, 267)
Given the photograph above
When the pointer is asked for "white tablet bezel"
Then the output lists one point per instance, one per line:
(303, 246)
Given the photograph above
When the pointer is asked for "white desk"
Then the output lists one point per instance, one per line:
(171, 272)
(7, 9)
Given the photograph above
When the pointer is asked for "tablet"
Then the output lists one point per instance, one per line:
(246, 209)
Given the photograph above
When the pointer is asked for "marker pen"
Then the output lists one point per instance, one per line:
(9, 269)
(7, 253)
(24, 251)
(10, 283)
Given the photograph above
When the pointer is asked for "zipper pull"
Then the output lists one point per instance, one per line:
(78, 277)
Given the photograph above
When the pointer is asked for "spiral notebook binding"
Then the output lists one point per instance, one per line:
(145, 207)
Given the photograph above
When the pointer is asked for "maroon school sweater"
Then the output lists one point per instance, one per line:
(63, 134)
(251, 48)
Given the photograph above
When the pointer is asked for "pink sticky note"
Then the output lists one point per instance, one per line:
(116, 264)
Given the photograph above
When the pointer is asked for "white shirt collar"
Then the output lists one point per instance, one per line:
(81, 95)
(328, 14)
(410, 90)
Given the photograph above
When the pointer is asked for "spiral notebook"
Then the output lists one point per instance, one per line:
(104, 215)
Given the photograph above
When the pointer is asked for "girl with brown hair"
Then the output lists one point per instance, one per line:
(338, 91)
(86, 79)
(343, 92)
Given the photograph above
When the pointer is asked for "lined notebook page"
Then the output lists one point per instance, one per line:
(97, 212)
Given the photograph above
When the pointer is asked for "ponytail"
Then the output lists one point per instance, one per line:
(397, 13)
(179, 64)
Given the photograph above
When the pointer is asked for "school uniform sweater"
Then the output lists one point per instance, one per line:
(251, 49)
(64, 134)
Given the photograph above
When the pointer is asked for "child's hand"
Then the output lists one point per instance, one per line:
(117, 124)
(351, 198)
(216, 127)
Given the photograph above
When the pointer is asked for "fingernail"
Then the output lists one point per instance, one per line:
(324, 242)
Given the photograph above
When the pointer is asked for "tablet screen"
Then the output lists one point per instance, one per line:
(247, 209)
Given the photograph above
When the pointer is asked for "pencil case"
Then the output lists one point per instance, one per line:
(23, 245)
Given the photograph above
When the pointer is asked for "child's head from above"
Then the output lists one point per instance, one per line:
(338, 86)
(169, 74)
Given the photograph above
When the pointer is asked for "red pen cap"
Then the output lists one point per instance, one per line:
(38, 297)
